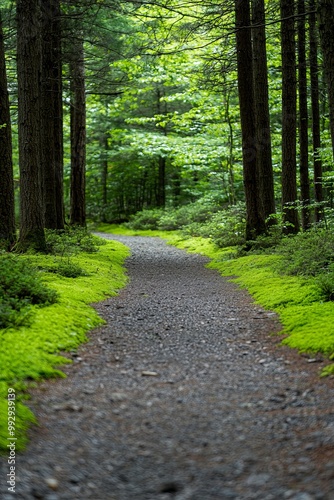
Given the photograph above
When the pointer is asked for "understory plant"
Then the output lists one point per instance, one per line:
(225, 226)
(20, 288)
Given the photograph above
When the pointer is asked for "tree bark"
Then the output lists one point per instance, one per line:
(51, 129)
(303, 118)
(104, 144)
(316, 141)
(161, 179)
(7, 213)
(78, 136)
(161, 185)
(262, 117)
(255, 223)
(289, 117)
(29, 124)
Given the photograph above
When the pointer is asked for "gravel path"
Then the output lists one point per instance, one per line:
(182, 395)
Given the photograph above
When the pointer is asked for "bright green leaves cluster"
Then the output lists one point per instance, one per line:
(164, 110)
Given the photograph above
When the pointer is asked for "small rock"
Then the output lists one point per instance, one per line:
(117, 396)
(258, 479)
(52, 483)
(88, 391)
(69, 406)
(147, 373)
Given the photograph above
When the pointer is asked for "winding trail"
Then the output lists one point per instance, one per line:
(182, 395)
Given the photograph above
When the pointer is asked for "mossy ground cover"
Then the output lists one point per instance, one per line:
(33, 352)
(308, 321)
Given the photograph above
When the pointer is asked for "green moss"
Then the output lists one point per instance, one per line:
(32, 352)
(23, 419)
(122, 230)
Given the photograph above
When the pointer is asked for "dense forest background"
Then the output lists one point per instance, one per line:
(110, 107)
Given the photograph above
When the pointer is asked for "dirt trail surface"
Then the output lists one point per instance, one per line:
(182, 395)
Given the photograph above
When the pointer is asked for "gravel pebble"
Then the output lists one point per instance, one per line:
(183, 394)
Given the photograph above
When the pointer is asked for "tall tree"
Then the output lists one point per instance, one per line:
(289, 116)
(7, 215)
(255, 223)
(325, 14)
(78, 135)
(28, 75)
(51, 116)
(316, 141)
(303, 117)
(161, 178)
(262, 116)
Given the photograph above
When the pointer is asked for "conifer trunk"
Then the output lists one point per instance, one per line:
(262, 117)
(7, 214)
(78, 136)
(316, 141)
(29, 124)
(255, 224)
(303, 118)
(289, 117)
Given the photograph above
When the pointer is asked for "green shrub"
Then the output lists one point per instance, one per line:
(172, 219)
(146, 219)
(325, 282)
(20, 287)
(226, 227)
(70, 270)
(70, 241)
(188, 215)
(309, 253)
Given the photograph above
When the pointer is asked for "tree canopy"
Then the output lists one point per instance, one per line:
(123, 106)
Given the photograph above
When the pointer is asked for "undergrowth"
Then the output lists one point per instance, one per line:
(32, 351)
(204, 218)
(20, 288)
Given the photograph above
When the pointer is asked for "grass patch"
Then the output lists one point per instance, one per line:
(125, 231)
(306, 318)
(32, 352)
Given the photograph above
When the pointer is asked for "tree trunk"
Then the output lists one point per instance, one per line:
(313, 62)
(29, 124)
(104, 144)
(230, 141)
(325, 12)
(58, 118)
(255, 223)
(7, 213)
(161, 185)
(161, 181)
(289, 117)
(262, 117)
(47, 118)
(78, 136)
(303, 118)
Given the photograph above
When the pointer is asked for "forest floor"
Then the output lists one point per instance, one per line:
(183, 394)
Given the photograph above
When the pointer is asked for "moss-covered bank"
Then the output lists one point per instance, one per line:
(32, 352)
(308, 321)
